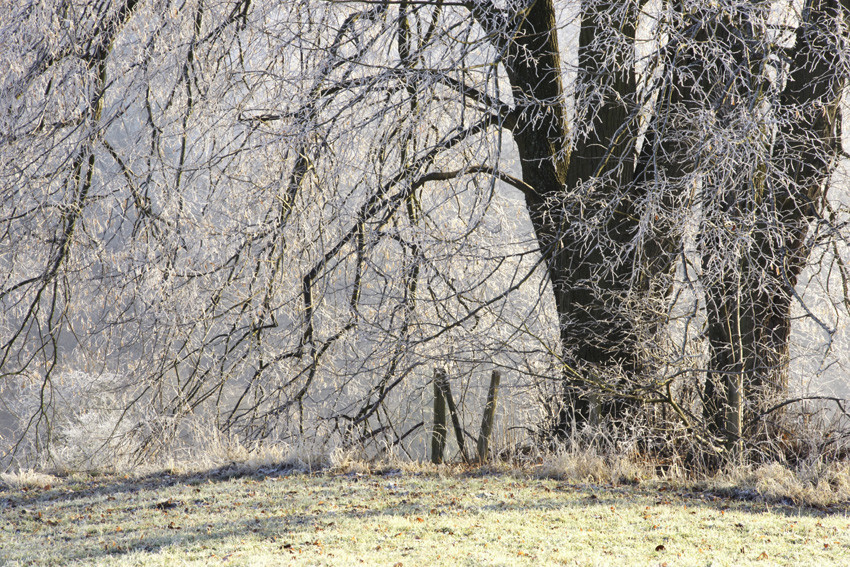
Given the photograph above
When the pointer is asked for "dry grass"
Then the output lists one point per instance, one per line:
(589, 466)
(817, 485)
(29, 479)
(271, 505)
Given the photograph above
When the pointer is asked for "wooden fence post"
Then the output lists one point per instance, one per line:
(438, 437)
(441, 380)
(489, 416)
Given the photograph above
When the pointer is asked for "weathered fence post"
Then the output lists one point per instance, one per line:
(441, 380)
(438, 437)
(489, 417)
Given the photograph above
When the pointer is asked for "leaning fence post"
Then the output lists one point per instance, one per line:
(438, 437)
(489, 416)
(441, 379)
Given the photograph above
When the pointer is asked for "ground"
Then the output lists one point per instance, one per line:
(399, 518)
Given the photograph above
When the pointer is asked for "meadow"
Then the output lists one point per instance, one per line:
(398, 517)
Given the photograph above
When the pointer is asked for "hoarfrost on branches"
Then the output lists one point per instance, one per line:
(280, 219)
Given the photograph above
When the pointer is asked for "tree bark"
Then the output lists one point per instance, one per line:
(488, 417)
(590, 274)
(749, 306)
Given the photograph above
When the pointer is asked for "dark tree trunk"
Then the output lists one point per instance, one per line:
(533, 64)
(599, 341)
(749, 305)
(594, 179)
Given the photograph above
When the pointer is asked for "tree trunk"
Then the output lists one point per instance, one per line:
(488, 417)
(590, 273)
(598, 338)
(438, 437)
(749, 305)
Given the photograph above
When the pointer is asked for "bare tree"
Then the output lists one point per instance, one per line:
(763, 212)
(281, 218)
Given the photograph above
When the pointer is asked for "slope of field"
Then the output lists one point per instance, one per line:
(403, 519)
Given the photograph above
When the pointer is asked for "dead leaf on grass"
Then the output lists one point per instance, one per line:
(167, 504)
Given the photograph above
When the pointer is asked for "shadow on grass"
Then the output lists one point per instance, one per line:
(108, 485)
(113, 485)
(199, 540)
(273, 525)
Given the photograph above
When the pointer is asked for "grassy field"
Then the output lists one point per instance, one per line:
(403, 519)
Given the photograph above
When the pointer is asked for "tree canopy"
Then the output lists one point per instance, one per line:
(281, 218)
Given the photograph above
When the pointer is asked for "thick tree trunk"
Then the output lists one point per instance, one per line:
(748, 312)
(749, 305)
(598, 337)
(749, 330)
(598, 341)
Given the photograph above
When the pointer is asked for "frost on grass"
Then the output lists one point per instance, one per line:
(407, 519)
(29, 479)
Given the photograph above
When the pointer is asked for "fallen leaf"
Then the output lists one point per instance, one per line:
(166, 504)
